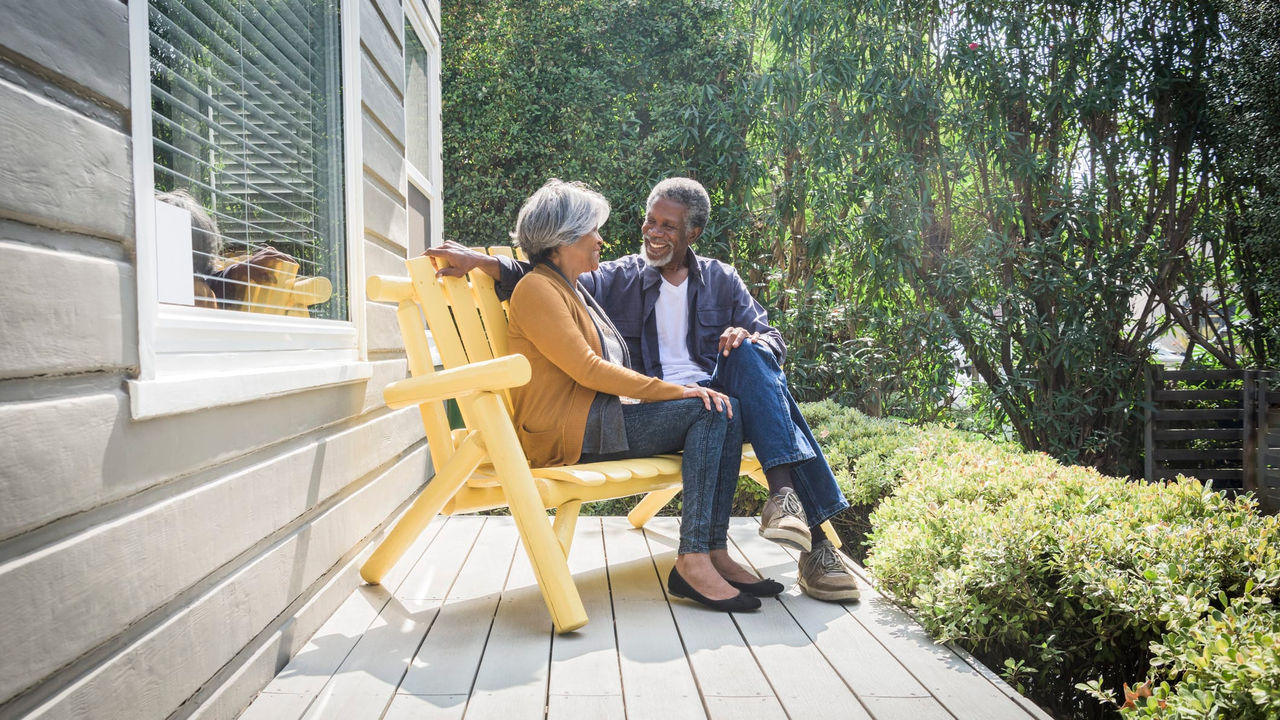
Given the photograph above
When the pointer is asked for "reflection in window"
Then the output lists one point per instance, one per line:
(247, 127)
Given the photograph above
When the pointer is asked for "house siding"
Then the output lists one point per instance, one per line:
(165, 567)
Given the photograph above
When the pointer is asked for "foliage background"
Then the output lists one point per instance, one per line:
(983, 212)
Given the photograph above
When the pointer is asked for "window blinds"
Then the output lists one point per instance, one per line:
(246, 102)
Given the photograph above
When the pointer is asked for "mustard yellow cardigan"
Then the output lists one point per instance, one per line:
(550, 326)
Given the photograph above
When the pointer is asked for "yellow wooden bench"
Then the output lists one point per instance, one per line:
(482, 466)
(282, 292)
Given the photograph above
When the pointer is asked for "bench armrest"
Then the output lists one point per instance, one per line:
(504, 372)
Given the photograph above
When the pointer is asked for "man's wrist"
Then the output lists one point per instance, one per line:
(490, 266)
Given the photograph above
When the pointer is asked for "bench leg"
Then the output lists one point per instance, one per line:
(566, 521)
(644, 511)
(830, 532)
(442, 487)
(545, 554)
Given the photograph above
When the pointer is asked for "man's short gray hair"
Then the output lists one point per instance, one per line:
(559, 213)
(687, 192)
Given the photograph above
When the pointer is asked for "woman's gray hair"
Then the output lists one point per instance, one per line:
(558, 214)
(687, 192)
(206, 240)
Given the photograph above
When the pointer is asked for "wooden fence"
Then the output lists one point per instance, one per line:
(1221, 426)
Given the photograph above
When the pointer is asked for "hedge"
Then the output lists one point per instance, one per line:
(1093, 593)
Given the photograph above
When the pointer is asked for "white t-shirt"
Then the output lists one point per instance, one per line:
(672, 318)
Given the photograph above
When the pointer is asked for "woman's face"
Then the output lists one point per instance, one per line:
(581, 256)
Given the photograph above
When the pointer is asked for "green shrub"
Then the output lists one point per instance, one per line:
(869, 457)
(1078, 584)
(1228, 661)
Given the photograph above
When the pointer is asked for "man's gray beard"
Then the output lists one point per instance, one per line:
(660, 262)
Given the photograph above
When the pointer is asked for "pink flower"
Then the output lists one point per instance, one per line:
(974, 46)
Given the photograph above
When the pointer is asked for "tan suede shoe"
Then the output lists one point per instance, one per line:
(824, 576)
(782, 520)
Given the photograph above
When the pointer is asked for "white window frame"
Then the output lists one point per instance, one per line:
(192, 358)
(420, 16)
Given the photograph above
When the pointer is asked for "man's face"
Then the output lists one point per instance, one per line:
(664, 233)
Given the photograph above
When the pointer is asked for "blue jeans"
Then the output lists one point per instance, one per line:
(774, 426)
(712, 445)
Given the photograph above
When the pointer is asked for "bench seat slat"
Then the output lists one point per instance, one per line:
(571, 473)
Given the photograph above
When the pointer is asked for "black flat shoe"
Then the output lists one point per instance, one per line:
(760, 588)
(681, 589)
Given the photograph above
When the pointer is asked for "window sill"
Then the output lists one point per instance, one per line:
(180, 393)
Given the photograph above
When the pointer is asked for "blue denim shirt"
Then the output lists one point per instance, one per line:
(627, 289)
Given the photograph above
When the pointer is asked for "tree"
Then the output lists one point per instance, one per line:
(615, 93)
(1030, 193)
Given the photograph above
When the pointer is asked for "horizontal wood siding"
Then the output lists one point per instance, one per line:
(73, 450)
(83, 43)
(207, 630)
(91, 327)
(166, 567)
(61, 169)
(385, 214)
(385, 181)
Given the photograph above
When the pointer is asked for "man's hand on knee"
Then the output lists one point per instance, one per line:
(733, 337)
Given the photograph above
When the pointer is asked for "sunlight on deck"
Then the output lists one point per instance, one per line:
(459, 630)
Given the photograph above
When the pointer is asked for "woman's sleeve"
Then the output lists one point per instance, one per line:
(542, 314)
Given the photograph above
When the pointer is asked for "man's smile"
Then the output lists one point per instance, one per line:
(656, 248)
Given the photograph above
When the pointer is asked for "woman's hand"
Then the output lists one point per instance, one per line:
(709, 396)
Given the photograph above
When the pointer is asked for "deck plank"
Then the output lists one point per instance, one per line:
(426, 707)
(946, 675)
(657, 681)
(295, 687)
(445, 665)
(277, 705)
(952, 681)
(906, 708)
(586, 680)
(364, 685)
(885, 687)
(511, 683)
(581, 707)
(727, 673)
(485, 647)
(806, 683)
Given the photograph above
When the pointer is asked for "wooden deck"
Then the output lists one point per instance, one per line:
(458, 630)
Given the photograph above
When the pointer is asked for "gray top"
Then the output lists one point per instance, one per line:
(606, 431)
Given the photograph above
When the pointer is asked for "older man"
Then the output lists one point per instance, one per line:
(690, 320)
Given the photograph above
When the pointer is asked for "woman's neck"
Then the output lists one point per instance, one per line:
(567, 268)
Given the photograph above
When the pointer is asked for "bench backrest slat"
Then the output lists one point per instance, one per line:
(435, 420)
(492, 313)
(466, 319)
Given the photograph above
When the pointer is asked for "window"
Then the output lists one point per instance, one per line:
(247, 139)
(243, 176)
(422, 129)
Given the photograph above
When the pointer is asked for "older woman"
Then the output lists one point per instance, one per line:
(584, 404)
